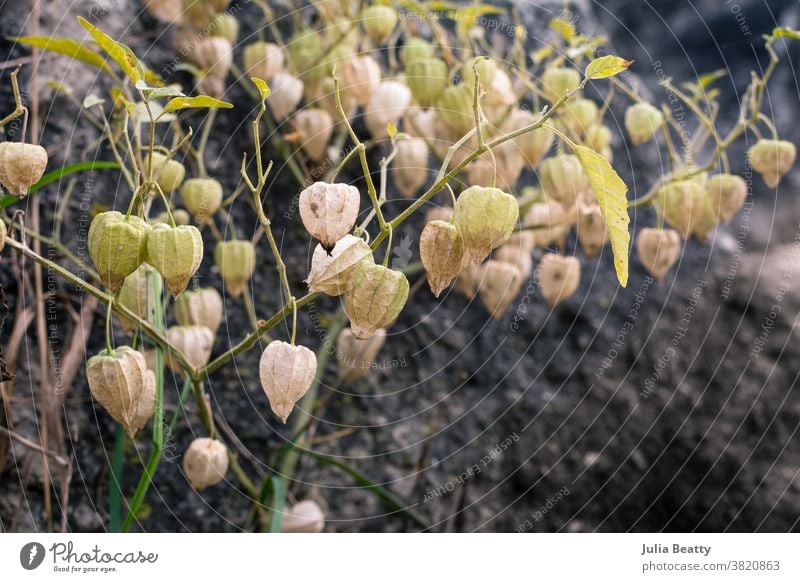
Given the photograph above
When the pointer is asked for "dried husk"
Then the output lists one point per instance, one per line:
(374, 298)
(441, 249)
(205, 462)
(683, 204)
(329, 211)
(559, 277)
(3, 233)
(439, 213)
(599, 139)
(263, 60)
(518, 254)
(118, 380)
(236, 261)
(410, 166)
(427, 78)
(658, 250)
(201, 307)
(533, 145)
(387, 105)
(287, 92)
(592, 231)
(360, 78)
(499, 286)
(286, 373)
(554, 217)
(304, 517)
(454, 109)
(214, 55)
(580, 116)
(117, 245)
(202, 197)
(486, 71)
(21, 166)
(379, 21)
(726, 195)
(354, 356)
(195, 342)
(176, 253)
(167, 173)
(558, 80)
(485, 217)
(772, 159)
(316, 125)
(331, 272)
(643, 121)
(469, 279)
(420, 122)
(563, 179)
(134, 295)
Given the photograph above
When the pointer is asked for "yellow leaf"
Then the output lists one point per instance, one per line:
(610, 191)
(199, 102)
(263, 88)
(122, 54)
(391, 130)
(606, 67)
(564, 28)
(65, 46)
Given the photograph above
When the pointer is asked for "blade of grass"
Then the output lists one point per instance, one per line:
(115, 486)
(57, 174)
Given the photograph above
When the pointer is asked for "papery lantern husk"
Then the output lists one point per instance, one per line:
(558, 80)
(330, 272)
(580, 116)
(772, 159)
(420, 122)
(379, 21)
(518, 254)
(263, 60)
(227, 26)
(468, 280)
(683, 204)
(374, 298)
(205, 462)
(176, 253)
(202, 197)
(439, 213)
(410, 166)
(287, 92)
(454, 107)
(355, 357)
(329, 211)
(534, 144)
(117, 245)
(555, 219)
(360, 78)
(286, 372)
(499, 286)
(415, 48)
(167, 173)
(643, 121)
(563, 179)
(202, 307)
(427, 78)
(658, 250)
(165, 10)
(442, 251)
(559, 277)
(726, 195)
(214, 55)
(134, 295)
(236, 261)
(592, 231)
(485, 217)
(316, 125)
(21, 166)
(387, 105)
(195, 342)
(3, 233)
(118, 380)
(303, 517)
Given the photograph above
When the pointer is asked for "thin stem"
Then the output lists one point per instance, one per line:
(388, 249)
(19, 108)
(109, 349)
(294, 319)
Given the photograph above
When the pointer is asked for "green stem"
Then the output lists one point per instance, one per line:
(115, 484)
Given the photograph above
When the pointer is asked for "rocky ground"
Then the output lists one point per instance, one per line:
(666, 406)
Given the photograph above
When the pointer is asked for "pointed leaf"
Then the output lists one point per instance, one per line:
(263, 88)
(122, 54)
(606, 67)
(610, 191)
(65, 46)
(199, 102)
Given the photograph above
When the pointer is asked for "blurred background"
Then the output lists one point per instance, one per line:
(658, 407)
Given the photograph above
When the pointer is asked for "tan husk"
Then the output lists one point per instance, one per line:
(410, 166)
(214, 55)
(441, 249)
(316, 125)
(195, 342)
(134, 294)
(201, 307)
(563, 179)
(726, 195)
(643, 121)
(499, 286)
(118, 381)
(117, 245)
(559, 277)
(176, 253)
(329, 211)
(658, 250)
(354, 357)
(518, 254)
(772, 159)
(21, 166)
(439, 213)
(360, 77)
(467, 282)
(330, 272)
(286, 373)
(683, 204)
(485, 217)
(592, 231)
(533, 145)
(554, 219)
(304, 517)
(374, 298)
(205, 462)
(287, 92)
(263, 60)
(236, 261)
(387, 105)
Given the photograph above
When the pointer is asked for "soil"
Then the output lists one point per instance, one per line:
(658, 407)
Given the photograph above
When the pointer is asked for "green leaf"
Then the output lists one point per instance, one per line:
(65, 46)
(263, 88)
(199, 102)
(122, 54)
(162, 92)
(606, 67)
(610, 191)
(785, 33)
